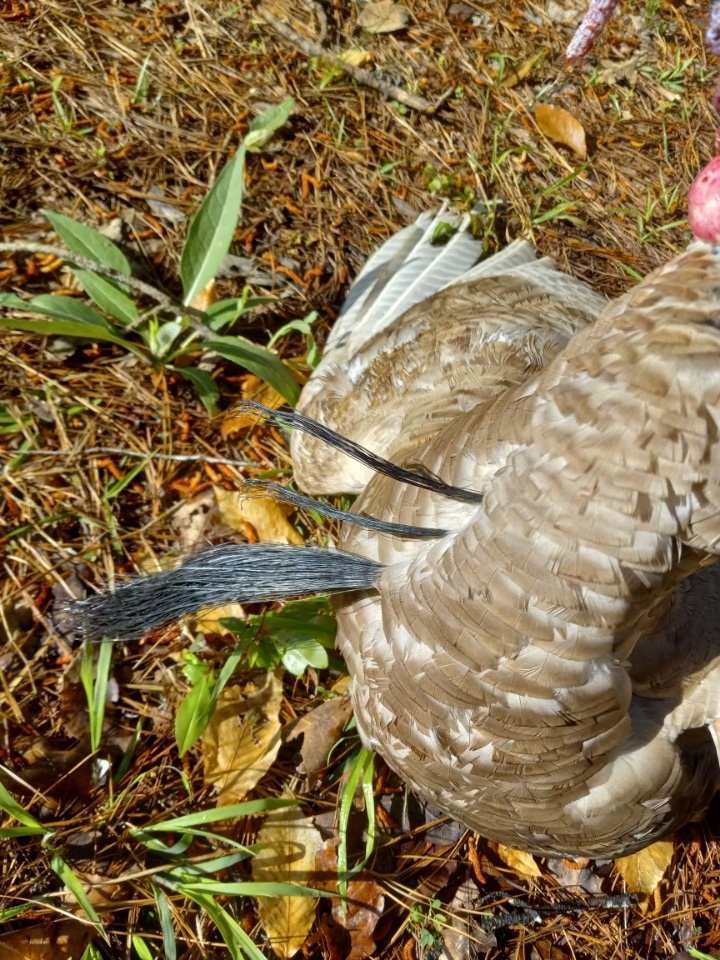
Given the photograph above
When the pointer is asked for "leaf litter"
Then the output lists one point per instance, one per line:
(85, 133)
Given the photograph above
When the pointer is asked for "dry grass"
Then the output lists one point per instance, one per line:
(99, 104)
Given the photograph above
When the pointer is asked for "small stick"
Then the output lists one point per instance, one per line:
(364, 77)
(152, 454)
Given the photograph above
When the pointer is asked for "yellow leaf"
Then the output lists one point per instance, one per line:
(562, 127)
(209, 620)
(356, 57)
(384, 16)
(206, 297)
(253, 388)
(643, 871)
(242, 740)
(289, 842)
(266, 516)
(519, 861)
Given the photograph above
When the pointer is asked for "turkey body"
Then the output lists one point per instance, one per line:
(548, 671)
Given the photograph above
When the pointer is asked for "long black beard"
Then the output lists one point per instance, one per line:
(252, 573)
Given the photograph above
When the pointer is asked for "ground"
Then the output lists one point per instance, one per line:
(105, 111)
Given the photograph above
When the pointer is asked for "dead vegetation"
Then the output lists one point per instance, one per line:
(120, 115)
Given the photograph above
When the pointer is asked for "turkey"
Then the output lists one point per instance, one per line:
(526, 591)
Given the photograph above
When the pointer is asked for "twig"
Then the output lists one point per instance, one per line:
(364, 77)
(195, 317)
(119, 451)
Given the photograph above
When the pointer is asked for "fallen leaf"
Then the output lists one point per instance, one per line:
(206, 297)
(561, 126)
(519, 861)
(242, 740)
(209, 620)
(266, 517)
(289, 844)
(350, 932)
(56, 939)
(253, 388)
(320, 729)
(356, 57)
(462, 937)
(643, 871)
(383, 17)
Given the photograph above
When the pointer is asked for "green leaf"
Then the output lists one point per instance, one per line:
(259, 361)
(94, 677)
(141, 948)
(304, 652)
(194, 713)
(92, 953)
(12, 301)
(68, 328)
(212, 227)
(109, 295)
(233, 811)
(205, 387)
(12, 808)
(237, 941)
(78, 891)
(266, 124)
(67, 308)
(166, 924)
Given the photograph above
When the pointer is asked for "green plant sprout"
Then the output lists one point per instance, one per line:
(169, 332)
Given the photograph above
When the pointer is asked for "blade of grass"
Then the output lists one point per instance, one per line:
(78, 891)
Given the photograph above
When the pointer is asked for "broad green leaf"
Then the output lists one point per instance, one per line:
(259, 361)
(12, 808)
(194, 713)
(68, 328)
(302, 326)
(266, 124)
(141, 948)
(78, 891)
(304, 653)
(109, 295)
(67, 308)
(92, 953)
(212, 227)
(12, 301)
(205, 386)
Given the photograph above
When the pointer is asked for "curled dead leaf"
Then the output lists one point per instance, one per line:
(320, 729)
(357, 57)
(560, 126)
(384, 16)
(267, 517)
(519, 861)
(289, 844)
(242, 740)
(643, 871)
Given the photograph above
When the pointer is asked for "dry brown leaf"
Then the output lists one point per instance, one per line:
(519, 861)
(241, 741)
(50, 940)
(320, 728)
(289, 844)
(383, 17)
(349, 932)
(267, 517)
(561, 126)
(643, 871)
